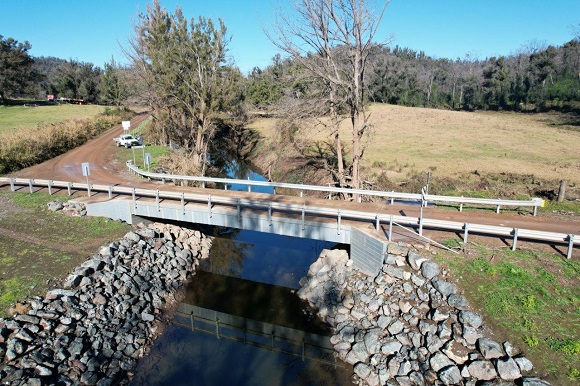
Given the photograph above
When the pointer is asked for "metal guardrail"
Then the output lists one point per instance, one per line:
(303, 211)
(258, 334)
(497, 203)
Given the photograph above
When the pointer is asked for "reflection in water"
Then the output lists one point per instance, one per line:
(267, 258)
(186, 357)
(253, 277)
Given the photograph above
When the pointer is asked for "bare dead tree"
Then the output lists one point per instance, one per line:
(332, 39)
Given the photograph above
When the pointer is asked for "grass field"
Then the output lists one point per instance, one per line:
(528, 297)
(20, 118)
(409, 140)
(38, 245)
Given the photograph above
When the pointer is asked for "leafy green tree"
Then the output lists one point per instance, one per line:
(78, 80)
(113, 89)
(15, 67)
(496, 84)
(190, 84)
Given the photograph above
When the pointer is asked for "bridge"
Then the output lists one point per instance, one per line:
(367, 227)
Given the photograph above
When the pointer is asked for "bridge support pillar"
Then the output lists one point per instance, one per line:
(367, 252)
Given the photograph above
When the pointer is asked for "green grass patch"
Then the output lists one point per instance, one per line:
(531, 298)
(38, 245)
(14, 289)
(18, 118)
(564, 206)
(138, 155)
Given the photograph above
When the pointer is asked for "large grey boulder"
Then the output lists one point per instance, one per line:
(489, 348)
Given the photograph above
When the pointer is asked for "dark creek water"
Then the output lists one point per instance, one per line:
(248, 285)
(241, 322)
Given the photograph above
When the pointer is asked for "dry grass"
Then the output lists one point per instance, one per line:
(408, 140)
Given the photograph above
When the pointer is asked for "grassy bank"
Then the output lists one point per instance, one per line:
(528, 297)
(38, 246)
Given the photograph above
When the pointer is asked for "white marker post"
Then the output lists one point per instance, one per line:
(137, 147)
(86, 172)
(147, 160)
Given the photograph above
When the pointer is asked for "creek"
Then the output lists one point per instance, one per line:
(240, 321)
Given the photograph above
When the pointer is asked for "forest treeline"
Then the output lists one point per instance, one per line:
(536, 79)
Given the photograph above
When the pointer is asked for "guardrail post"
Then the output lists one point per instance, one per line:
(461, 205)
(157, 200)
(338, 223)
(515, 239)
(12, 188)
(270, 214)
(50, 187)
(217, 327)
(30, 182)
(377, 222)
(203, 184)
(272, 333)
(535, 212)
(69, 188)
(209, 205)
(391, 228)
(110, 192)
(392, 200)
(134, 199)
(497, 209)
(183, 203)
(303, 216)
(570, 246)
(465, 232)
(301, 193)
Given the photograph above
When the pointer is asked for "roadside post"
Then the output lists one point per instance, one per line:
(148, 160)
(428, 182)
(86, 172)
(137, 147)
(423, 203)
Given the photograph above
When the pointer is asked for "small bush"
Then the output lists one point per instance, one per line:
(531, 340)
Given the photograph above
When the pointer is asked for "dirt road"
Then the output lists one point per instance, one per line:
(105, 168)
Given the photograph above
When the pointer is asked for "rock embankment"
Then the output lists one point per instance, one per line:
(76, 209)
(93, 330)
(408, 325)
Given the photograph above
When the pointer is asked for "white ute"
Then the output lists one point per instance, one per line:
(127, 141)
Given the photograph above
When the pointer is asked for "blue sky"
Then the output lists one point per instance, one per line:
(93, 30)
